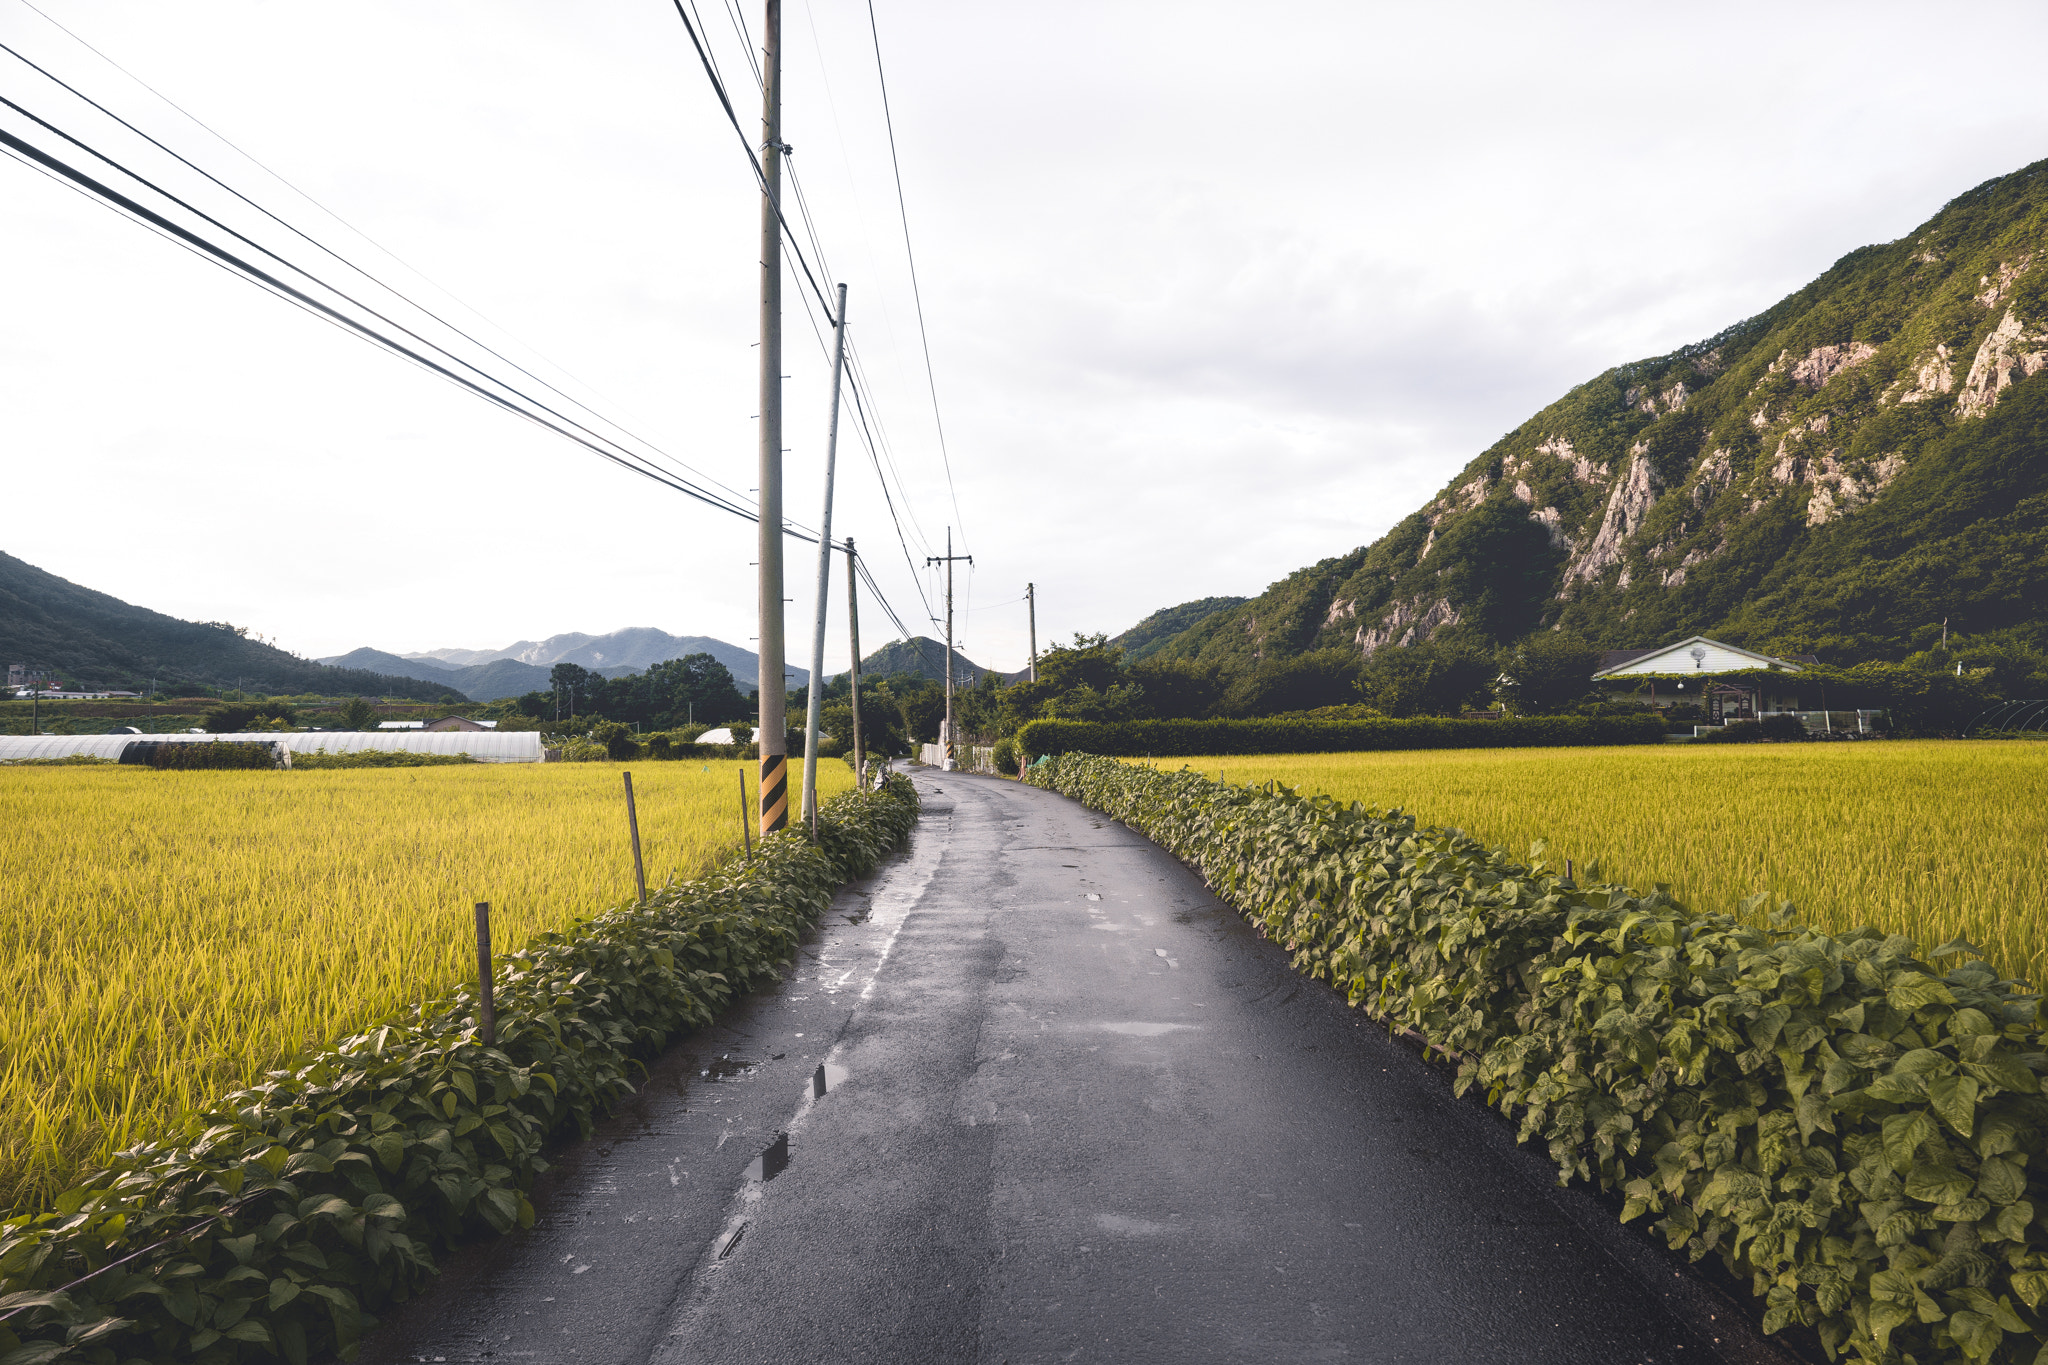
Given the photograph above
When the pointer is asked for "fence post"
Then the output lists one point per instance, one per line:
(633, 825)
(487, 1014)
(746, 828)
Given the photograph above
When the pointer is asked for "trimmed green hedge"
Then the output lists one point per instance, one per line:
(1280, 735)
(280, 1221)
(1859, 1132)
(219, 753)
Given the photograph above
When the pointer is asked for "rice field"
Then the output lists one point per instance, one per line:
(167, 937)
(1924, 838)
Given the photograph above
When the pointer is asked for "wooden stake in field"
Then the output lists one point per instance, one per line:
(633, 827)
(746, 825)
(486, 1014)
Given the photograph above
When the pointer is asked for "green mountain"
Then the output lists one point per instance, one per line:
(922, 657)
(92, 639)
(1150, 635)
(1837, 475)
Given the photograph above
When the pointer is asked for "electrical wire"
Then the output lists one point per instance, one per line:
(760, 175)
(227, 142)
(924, 337)
(877, 453)
(113, 198)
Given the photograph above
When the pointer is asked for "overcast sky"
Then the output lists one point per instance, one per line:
(1212, 291)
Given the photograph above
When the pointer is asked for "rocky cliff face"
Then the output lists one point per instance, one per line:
(1837, 475)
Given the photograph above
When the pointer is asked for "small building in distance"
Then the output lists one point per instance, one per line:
(1702, 658)
(459, 723)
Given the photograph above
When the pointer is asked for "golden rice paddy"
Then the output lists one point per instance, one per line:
(1924, 838)
(166, 937)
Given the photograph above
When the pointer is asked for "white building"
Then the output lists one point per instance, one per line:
(1698, 659)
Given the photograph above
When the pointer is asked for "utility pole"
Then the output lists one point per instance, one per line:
(947, 560)
(860, 761)
(1031, 601)
(813, 699)
(773, 731)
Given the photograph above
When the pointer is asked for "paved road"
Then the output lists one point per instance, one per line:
(1075, 1111)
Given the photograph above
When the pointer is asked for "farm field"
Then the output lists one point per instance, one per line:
(170, 936)
(1924, 838)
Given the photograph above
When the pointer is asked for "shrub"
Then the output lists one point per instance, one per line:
(1005, 757)
(376, 758)
(219, 753)
(285, 1215)
(1735, 732)
(617, 739)
(1781, 726)
(660, 747)
(1858, 1131)
(1282, 736)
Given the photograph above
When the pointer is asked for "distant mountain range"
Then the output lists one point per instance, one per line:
(522, 667)
(94, 640)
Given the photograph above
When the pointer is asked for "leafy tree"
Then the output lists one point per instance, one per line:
(573, 684)
(358, 714)
(1434, 678)
(1546, 672)
(1177, 689)
(1322, 677)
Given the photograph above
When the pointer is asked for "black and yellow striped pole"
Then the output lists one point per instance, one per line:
(773, 734)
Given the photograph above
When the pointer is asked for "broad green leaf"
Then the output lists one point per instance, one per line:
(1955, 1099)
(1903, 1134)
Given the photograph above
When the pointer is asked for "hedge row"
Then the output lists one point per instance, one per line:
(221, 753)
(1859, 1132)
(293, 1210)
(1182, 738)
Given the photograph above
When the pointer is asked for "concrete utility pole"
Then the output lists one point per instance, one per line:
(947, 560)
(1031, 605)
(773, 732)
(860, 761)
(813, 699)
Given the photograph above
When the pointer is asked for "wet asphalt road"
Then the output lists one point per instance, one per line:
(1076, 1111)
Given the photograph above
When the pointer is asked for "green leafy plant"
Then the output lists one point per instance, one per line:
(376, 758)
(284, 1217)
(219, 753)
(1853, 1125)
(1284, 735)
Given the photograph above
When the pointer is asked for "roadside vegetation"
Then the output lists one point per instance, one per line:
(1920, 838)
(172, 936)
(1851, 1122)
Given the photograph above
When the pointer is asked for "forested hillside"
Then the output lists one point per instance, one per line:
(92, 639)
(1838, 476)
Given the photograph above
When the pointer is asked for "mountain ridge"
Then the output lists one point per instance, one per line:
(1840, 475)
(99, 639)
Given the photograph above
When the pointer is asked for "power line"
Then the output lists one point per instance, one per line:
(856, 373)
(760, 176)
(221, 256)
(289, 227)
(903, 212)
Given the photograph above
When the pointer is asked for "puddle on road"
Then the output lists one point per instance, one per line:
(727, 1067)
(773, 1161)
(829, 1076)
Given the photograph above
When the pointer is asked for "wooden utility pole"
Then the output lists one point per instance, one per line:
(773, 732)
(1031, 605)
(813, 694)
(860, 767)
(947, 560)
